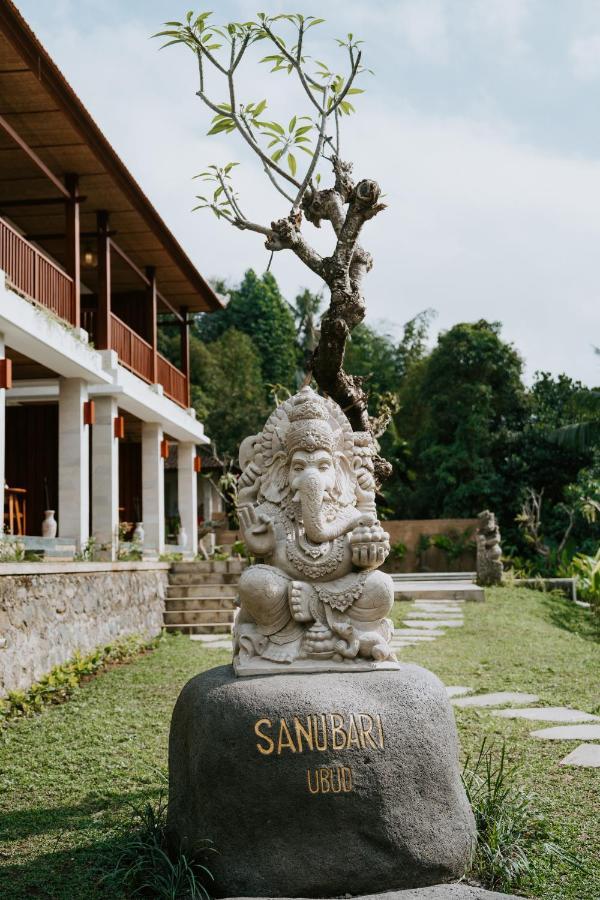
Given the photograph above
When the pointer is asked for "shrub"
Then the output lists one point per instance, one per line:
(148, 868)
(511, 832)
(586, 569)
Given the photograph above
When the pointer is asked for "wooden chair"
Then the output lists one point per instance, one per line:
(16, 515)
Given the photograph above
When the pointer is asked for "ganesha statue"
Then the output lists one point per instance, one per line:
(314, 600)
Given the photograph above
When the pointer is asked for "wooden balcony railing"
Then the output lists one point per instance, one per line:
(134, 352)
(34, 275)
(173, 381)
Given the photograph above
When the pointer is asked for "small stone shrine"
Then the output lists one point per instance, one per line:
(489, 550)
(336, 771)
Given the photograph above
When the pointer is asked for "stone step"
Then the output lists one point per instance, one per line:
(210, 577)
(190, 603)
(192, 581)
(199, 616)
(183, 589)
(203, 567)
(424, 577)
(212, 628)
(453, 591)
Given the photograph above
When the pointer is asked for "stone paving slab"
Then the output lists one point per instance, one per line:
(497, 699)
(447, 614)
(547, 714)
(439, 607)
(436, 623)
(420, 632)
(569, 733)
(587, 755)
(458, 690)
(415, 638)
(435, 892)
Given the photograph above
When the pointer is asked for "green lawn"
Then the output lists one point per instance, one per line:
(69, 777)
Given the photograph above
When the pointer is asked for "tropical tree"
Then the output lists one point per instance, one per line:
(314, 131)
(258, 309)
(228, 392)
(459, 406)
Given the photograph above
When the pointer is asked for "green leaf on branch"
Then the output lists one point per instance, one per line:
(292, 163)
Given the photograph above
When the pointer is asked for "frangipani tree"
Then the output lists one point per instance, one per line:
(291, 154)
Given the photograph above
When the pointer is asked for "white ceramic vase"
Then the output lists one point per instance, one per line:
(138, 533)
(182, 538)
(49, 525)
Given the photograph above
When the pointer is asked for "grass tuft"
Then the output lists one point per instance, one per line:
(512, 833)
(147, 867)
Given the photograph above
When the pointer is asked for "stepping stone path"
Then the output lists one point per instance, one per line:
(426, 620)
(586, 755)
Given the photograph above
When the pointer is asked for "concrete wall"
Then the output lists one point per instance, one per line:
(408, 532)
(49, 612)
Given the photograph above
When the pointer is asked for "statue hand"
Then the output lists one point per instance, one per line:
(370, 546)
(259, 533)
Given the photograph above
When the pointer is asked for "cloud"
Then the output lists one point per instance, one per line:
(480, 223)
(584, 55)
(501, 20)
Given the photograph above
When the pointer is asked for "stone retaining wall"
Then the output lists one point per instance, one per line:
(49, 614)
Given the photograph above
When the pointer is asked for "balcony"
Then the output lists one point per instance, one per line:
(36, 277)
(33, 275)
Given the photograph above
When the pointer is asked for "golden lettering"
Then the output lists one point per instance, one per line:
(323, 744)
(347, 779)
(334, 789)
(304, 733)
(312, 790)
(270, 746)
(366, 731)
(380, 729)
(337, 728)
(327, 780)
(353, 734)
(284, 732)
(324, 780)
(320, 731)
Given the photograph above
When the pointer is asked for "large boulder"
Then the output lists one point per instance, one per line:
(319, 785)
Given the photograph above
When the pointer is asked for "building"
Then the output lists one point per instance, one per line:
(88, 406)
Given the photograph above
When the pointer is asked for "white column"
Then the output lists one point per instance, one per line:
(153, 488)
(73, 462)
(187, 493)
(2, 438)
(105, 477)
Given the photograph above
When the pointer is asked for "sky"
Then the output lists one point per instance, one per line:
(481, 123)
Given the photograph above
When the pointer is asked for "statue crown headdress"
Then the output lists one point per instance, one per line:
(309, 428)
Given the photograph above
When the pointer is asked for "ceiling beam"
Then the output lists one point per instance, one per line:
(45, 201)
(34, 157)
(171, 308)
(127, 259)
